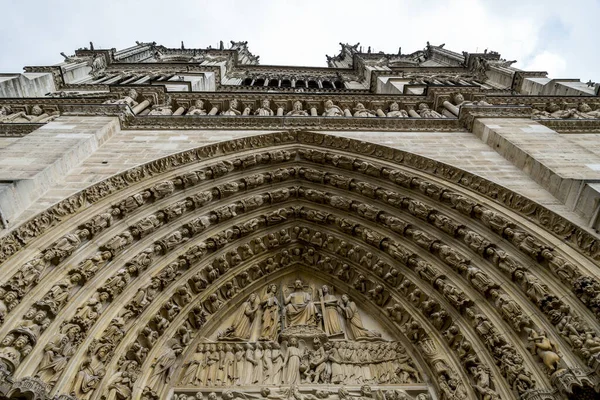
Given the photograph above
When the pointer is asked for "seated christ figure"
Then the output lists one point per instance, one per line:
(299, 307)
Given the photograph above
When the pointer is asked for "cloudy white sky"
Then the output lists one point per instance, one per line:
(557, 36)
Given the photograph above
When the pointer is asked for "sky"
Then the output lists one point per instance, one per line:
(557, 36)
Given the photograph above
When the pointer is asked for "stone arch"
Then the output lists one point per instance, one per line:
(415, 214)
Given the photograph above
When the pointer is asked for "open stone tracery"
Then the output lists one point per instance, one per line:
(298, 253)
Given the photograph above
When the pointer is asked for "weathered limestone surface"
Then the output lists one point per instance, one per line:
(32, 165)
(567, 166)
(110, 150)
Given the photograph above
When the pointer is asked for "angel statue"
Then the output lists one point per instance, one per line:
(270, 316)
(299, 307)
(243, 322)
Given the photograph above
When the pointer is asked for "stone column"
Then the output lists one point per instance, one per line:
(141, 107)
(411, 111)
(280, 109)
(346, 107)
(451, 107)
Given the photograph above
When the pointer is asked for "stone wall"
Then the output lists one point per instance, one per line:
(72, 153)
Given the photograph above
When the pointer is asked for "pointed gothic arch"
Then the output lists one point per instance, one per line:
(507, 273)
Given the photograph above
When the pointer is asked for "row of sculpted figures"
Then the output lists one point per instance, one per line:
(298, 108)
(336, 362)
(296, 308)
(293, 392)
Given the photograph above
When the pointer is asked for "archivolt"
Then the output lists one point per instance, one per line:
(444, 241)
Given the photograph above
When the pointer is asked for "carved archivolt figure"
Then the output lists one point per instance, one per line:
(271, 314)
(164, 365)
(57, 354)
(545, 348)
(353, 320)
(121, 384)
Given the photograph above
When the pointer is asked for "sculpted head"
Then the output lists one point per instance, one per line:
(266, 103)
(552, 107)
(423, 106)
(252, 298)
(394, 106)
(328, 104)
(345, 298)
(133, 94)
(36, 110)
(7, 341)
(584, 107)
(325, 289)
(298, 106)
(233, 104)
(360, 106)
(458, 98)
(39, 316)
(298, 284)
(200, 347)
(199, 104)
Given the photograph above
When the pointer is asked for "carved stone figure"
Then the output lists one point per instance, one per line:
(299, 307)
(353, 321)
(553, 111)
(241, 327)
(271, 314)
(331, 317)
(197, 108)
(58, 352)
(233, 108)
(361, 111)
(545, 348)
(331, 110)
(297, 110)
(396, 112)
(425, 112)
(292, 360)
(265, 110)
(129, 99)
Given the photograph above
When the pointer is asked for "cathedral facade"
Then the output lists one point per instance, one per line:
(186, 224)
